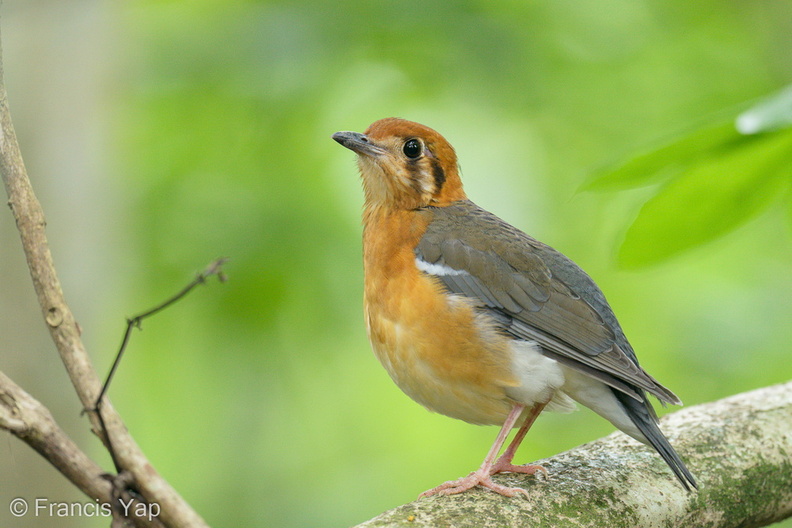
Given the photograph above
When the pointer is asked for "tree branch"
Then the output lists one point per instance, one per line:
(739, 448)
(65, 331)
(29, 420)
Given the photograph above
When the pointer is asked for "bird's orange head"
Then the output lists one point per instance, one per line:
(404, 165)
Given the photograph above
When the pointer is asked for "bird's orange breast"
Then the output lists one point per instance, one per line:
(434, 345)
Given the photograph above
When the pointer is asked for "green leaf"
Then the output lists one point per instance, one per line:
(773, 113)
(668, 160)
(712, 198)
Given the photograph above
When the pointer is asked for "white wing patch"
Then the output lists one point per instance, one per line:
(438, 270)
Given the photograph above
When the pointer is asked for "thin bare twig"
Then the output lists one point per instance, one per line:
(63, 328)
(214, 268)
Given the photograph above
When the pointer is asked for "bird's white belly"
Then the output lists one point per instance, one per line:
(540, 378)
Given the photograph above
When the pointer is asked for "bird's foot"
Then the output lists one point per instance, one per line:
(505, 466)
(480, 477)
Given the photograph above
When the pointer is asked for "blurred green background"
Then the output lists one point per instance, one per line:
(162, 134)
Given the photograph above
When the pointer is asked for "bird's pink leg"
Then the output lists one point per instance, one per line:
(481, 477)
(503, 464)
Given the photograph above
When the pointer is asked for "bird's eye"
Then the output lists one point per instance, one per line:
(412, 148)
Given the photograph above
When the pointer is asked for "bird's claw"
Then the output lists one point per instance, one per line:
(526, 469)
(477, 478)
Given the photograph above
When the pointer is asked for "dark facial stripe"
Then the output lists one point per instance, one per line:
(414, 169)
(438, 173)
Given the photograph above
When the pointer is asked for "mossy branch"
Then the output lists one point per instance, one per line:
(739, 448)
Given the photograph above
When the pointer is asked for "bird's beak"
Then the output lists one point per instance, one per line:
(358, 143)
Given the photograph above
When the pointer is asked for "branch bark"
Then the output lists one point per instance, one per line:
(65, 332)
(739, 449)
(26, 418)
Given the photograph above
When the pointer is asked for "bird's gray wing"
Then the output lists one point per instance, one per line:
(533, 292)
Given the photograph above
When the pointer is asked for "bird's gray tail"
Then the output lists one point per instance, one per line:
(645, 419)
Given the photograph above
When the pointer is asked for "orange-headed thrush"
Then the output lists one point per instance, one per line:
(474, 319)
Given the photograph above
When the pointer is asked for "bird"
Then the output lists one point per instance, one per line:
(474, 319)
